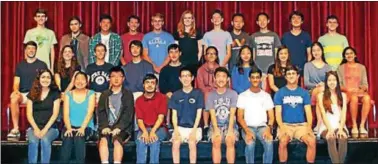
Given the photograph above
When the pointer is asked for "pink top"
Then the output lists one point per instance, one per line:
(205, 79)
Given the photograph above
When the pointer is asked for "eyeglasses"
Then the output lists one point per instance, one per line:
(40, 16)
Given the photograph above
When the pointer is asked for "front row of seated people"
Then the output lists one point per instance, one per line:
(255, 108)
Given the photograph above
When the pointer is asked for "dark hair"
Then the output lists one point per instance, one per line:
(116, 69)
(133, 17)
(344, 53)
(292, 68)
(174, 46)
(100, 45)
(106, 16)
(237, 15)
(297, 13)
(217, 11)
(40, 11)
(327, 93)
(239, 63)
(262, 13)
(86, 78)
(36, 89)
(277, 63)
(150, 76)
(138, 44)
(321, 47)
(186, 69)
(255, 69)
(222, 69)
(332, 17)
(61, 64)
(74, 18)
(31, 43)
(216, 53)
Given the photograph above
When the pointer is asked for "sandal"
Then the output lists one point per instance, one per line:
(363, 130)
(14, 133)
(354, 131)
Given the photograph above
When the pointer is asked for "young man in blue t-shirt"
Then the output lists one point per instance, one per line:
(156, 42)
(294, 116)
(186, 104)
(297, 41)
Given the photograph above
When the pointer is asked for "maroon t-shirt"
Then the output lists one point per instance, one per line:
(149, 109)
(126, 40)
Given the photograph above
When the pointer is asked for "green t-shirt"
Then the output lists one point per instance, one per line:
(45, 39)
(333, 48)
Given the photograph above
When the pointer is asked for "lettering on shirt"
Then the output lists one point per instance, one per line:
(264, 45)
(293, 101)
(157, 41)
(99, 77)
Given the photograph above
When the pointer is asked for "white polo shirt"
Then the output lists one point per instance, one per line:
(255, 107)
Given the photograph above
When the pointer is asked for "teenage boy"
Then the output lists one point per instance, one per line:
(78, 41)
(156, 42)
(44, 37)
(222, 106)
(254, 105)
(98, 72)
(294, 116)
(150, 108)
(186, 104)
(115, 117)
(298, 41)
(333, 43)
(26, 71)
(219, 38)
(111, 40)
(239, 38)
(133, 23)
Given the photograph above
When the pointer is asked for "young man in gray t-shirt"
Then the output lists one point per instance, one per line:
(239, 38)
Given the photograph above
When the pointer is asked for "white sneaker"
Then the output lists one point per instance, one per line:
(14, 133)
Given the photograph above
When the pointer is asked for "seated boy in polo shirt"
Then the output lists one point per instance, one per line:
(186, 104)
(294, 116)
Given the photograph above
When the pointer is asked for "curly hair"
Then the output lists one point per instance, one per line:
(61, 65)
(181, 26)
(36, 89)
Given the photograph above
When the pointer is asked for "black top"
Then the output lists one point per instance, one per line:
(65, 81)
(99, 76)
(27, 73)
(279, 81)
(43, 110)
(169, 79)
(189, 47)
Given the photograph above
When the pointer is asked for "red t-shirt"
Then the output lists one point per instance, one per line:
(149, 109)
(126, 40)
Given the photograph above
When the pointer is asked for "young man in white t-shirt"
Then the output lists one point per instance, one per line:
(253, 106)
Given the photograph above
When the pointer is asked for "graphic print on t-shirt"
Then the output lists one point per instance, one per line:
(222, 111)
(293, 101)
(157, 42)
(41, 40)
(264, 45)
(100, 77)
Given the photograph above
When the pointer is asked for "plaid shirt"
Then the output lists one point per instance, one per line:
(115, 48)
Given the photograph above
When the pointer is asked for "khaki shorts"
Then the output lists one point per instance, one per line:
(296, 131)
(185, 134)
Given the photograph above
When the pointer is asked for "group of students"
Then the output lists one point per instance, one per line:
(166, 81)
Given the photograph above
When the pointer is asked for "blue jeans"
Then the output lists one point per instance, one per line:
(141, 147)
(50, 136)
(75, 144)
(250, 148)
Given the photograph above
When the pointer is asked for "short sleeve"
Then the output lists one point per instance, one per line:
(277, 42)
(27, 37)
(138, 112)
(229, 38)
(78, 68)
(270, 69)
(18, 70)
(171, 40)
(210, 102)
(176, 35)
(241, 102)
(252, 41)
(278, 98)
(199, 35)
(205, 40)
(308, 40)
(172, 102)
(163, 107)
(234, 99)
(268, 102)
(345, 43)
(144, 41)
(53, 39)
(200, 99)
(306, 98)
(55, 95)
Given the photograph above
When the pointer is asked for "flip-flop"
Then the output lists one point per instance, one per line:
(363, 131)
(354, 131)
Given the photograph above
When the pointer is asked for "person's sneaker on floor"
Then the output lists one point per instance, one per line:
(204, 134)
(14, 133)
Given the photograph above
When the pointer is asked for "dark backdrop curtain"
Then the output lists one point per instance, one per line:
(357, 21)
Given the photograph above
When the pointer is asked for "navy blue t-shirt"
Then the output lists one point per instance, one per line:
(297, 46)
(186, 105)
(27, 73)
(292, 103)
(99, 76)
